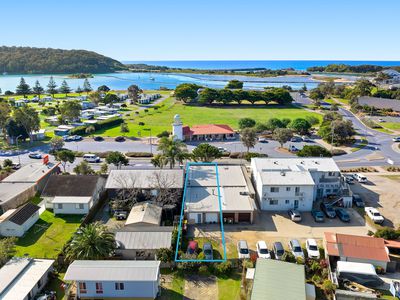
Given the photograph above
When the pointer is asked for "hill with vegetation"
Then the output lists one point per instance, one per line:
(27, 60)
(342, 68)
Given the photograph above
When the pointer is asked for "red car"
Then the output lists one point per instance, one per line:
(192, 248)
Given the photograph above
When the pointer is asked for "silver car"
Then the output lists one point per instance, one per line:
(295, 248)
(208, 251)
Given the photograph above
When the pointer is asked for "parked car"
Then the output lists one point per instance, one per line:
(294, 215)
(357, 201)
(396, 139)
(192, 248)
(243, 250)
(91, 158)
(262, 250)
(328, 210)
(342, 214)
(318, 215)
(278, 250)
(35, 155)
(208, 251)
(349, 178)
(293, 148)
(296, 139)
(119, 139)
(374, 215)
(98, 138)
(360, 178)
(306, 138)
(295, 248)
(380, 120)
(312, 249)
(262, 140)
(121, 215)
(222, 149)
(15, 166)
(76, 138)
(66, 138)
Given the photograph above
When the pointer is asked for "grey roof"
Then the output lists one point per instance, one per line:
(113, 270)
(144, 213)
(277, 177)
(33, 173)
(380, 103)
(71, 185)
(23, 213)
(145, 179)
(201, 175)
(275, 279)
(9, 190)
(145, 238)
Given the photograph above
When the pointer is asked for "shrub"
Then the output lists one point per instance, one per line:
(387, 233)
(336, 152)
(289, 257)
(146, 110)
(163, 134)
(316, 278)
(203, 270)
(224, 268)
(165, 255)
(139, 154)
(7, 163)
(141, 123)
(328, 286)
(201, 256)
(248, 156)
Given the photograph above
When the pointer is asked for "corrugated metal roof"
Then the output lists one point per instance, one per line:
(274, 279)
(31, 173)
(113, 270)
(144, 213)
(145, 239)
(67, 199)
(361, 247)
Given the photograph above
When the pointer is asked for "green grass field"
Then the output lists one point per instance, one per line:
(229, 287)
(391, 125)
(46, 238)
(161, 119)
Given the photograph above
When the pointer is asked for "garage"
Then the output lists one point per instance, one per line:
(195, 218)
(244, 217)
(229, 217)
(212, 217)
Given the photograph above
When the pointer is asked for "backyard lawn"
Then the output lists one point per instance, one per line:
(229, 287)
(46, 238)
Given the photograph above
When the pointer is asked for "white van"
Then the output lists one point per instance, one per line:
(360, 178)
(91, 158)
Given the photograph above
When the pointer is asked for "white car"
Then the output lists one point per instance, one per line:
(91, 158)
(312, 249)
(262, 250)
(243, 250)
(360, 178)
(396, 139)
(374, 215)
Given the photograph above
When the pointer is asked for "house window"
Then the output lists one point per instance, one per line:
(297, 189)
(273, 202)
(99, 288)
(274, 190)
(331, 173)
(288, 189)
(119, 286)
(287, 201)
(79, 206)
(82, 287)
(59, 206)
(39, 283)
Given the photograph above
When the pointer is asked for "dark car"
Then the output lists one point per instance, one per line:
(119, 139)
(318, 215)
(328, 210)
(296, 139)
(98, 138)
(35, 155)
(357, 201)
(343, 215)
(278, 250)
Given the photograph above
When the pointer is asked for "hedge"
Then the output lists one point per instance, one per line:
(139, 154)
(103, 124)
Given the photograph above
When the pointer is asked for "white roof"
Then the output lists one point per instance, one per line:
(20, 275)
(66, 199)
(31, 173)
(144, 179)
(359, 268)
(277, 177)
(6, 215)
(322, 164)
(113, 270)
(144, 213)
(206, 175)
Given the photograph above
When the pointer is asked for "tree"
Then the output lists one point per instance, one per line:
(86, 86)
(52, 87)
(37, 89)
(95, 97)
(312, 120)
(103, 169)
(316, 95)
(208, 96)
(246, 123)
(337, 132)
(124, 128)
(103, 88)
(117, 159)
(314, 151)
(186, 92)
(133, 92)
(173, 150)
(282, 135)
(15, 130)
(5, 111)
(274, 123)
(29, 119)
(94, 242)
(165, 255)
(7, 249)
(159, 161)
(110, 98)
(90, 129)
(23, 88)
(79, 90)
(234, 84)
(56, 143)
(64, 88)
(248, 136)
(206, 153)
(83, 168)
(64, 157)
(300, 126)
(70, 110)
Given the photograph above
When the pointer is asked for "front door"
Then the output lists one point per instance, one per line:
(296, 204)
(198, 218)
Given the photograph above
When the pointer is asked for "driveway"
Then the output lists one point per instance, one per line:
(200, 287)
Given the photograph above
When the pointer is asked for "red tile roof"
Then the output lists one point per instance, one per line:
(361, 247)
(207, 129)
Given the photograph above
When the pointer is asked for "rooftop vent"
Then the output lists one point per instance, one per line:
(283, 173)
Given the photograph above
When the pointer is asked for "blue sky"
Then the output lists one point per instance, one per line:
(208, 30)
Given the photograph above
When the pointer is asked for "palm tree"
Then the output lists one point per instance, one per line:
(93, 242)
(173, 150)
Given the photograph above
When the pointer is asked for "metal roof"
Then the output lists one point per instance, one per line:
(71, 185)
(321, 164)
(31, 173)
(277, 177)
(73, 200)
(275, 279)
(144, 213)
(10, 190)
(113, 270)
(206, 175)
(145, 238)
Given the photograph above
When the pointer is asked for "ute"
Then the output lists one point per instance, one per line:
(374, 215)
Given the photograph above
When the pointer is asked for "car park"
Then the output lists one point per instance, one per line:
(278, 250)
(119, 139)
(342, 214)
(243, 250)
(294, 215)
(91, 158)
(328, 210)
(374, 215)
(262, 250)
(312, 249)
(192, 248)
(208, 251)
(35, 155)
(360, 178)
(318, 215)
(98, 138)
(295, 248)
(357, 201)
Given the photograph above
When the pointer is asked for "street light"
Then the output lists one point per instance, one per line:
(19, 158)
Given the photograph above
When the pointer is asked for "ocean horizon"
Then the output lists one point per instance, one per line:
(300, 65)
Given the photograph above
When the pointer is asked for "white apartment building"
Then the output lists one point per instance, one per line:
(285, 183)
